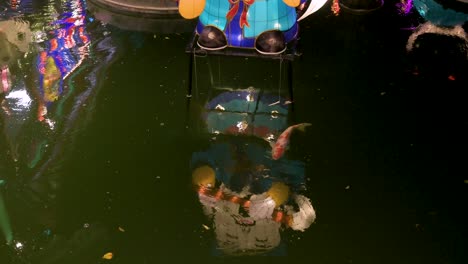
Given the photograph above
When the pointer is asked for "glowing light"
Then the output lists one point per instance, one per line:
(274, 114)
(22, 98)
(19, 245)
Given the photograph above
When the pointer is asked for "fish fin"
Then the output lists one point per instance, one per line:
(303, 126)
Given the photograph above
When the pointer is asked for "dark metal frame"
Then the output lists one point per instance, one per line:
(288, 55)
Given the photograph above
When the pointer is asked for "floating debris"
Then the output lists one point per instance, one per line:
(109, 255)
(348, 187)
(121, 229)
(206, 227)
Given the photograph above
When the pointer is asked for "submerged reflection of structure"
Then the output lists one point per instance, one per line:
(438, 44)
(249, 196)
(440, 20)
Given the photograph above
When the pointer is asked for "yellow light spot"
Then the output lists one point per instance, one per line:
(109, 255)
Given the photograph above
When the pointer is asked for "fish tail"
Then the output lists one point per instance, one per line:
(303, 126)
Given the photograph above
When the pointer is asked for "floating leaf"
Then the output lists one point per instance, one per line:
(109, 255)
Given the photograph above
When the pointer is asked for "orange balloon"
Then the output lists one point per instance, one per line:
(190, 9)
(292, 3)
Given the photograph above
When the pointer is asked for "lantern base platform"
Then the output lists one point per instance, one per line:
(290, 53)
(358, 10)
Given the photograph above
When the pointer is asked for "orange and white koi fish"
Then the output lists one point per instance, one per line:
(282, 143)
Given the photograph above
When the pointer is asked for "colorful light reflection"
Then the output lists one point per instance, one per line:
(405, 6)
(62, 55)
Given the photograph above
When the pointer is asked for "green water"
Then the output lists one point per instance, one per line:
(382, 159)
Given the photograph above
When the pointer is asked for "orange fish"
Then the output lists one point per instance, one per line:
(282, 143)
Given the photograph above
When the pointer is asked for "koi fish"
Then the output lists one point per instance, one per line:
(280, 146)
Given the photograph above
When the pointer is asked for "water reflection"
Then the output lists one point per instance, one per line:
(440, 19)
(249, 198)
(50, 66)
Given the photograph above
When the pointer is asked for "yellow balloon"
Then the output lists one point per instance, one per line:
(279, 192)
(191, 8)
(292, 3)
(203, 175)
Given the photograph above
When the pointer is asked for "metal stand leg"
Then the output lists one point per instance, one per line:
(290, 81)
(190, 72)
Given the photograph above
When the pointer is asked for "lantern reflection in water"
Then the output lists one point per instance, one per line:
(249, 197)
(440, 20)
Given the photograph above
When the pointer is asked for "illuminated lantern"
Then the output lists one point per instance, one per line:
(266, 25)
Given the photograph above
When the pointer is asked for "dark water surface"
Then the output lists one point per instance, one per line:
(108, 167)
